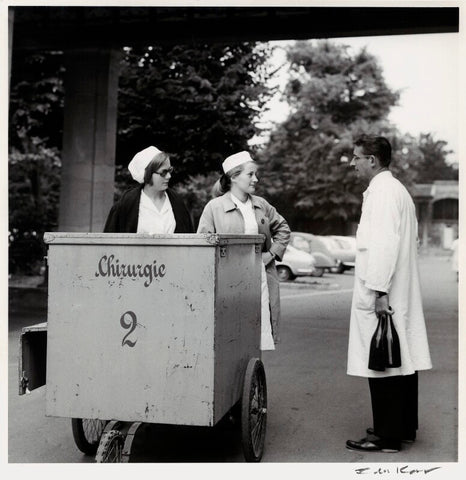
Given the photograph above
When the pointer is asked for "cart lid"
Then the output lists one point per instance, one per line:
(199, 239)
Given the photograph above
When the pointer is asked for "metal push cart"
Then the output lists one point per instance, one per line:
(161, 329)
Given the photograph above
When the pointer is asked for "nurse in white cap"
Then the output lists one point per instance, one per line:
(151, 207)
(238, 210)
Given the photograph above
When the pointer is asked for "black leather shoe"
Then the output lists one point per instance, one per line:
(370, 431)
(365, 445)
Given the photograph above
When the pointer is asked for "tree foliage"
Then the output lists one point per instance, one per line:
(198, 102)
(35, 132)
(433, 165)
(335, 96)
(202, 102)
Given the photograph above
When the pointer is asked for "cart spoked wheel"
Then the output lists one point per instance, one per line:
(110, 447)
(87, 433)
(254, 411)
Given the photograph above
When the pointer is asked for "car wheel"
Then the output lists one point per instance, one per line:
(339, 269)
(318, 272)
(284, 273)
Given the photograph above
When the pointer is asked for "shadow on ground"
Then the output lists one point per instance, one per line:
(170, 443)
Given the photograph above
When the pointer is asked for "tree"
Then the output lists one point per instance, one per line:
(198, 102)
(36, 101)
(433, 165)
(334, 96)
(35, 130)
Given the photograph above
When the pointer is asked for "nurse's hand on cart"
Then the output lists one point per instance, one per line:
(267, 258)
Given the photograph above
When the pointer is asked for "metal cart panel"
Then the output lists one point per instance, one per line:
(166, 341)
(237, 335)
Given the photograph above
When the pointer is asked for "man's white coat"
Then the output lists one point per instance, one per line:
(386, 260)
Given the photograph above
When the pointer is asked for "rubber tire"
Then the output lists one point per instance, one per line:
(86, 444)
(110, 441)
(340, 269)
(254, 410)
(318, 272)
(284, 273)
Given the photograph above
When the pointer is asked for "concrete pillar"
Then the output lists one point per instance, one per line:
(428, 222)
(425, 226)
(89, 139)
(11, 19)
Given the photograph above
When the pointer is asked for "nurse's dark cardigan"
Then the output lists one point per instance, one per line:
(123, 216)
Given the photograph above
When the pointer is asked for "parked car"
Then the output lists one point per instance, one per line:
(313, 244)
(295, 263)
(344, 250)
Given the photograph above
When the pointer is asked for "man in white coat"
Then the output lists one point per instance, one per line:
(386, 281)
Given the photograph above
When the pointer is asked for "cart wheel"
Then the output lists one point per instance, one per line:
(87, 433)
(254, 411)
(110, 448)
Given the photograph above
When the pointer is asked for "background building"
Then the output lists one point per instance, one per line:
(437, 212)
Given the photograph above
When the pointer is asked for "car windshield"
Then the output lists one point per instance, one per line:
(345, 242)
(331, 243)
(341, 243)
(301, 244)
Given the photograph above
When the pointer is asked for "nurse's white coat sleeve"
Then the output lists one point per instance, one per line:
(206, 222)
(384, 240)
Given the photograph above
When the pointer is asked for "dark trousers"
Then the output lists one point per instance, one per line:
(395, 407)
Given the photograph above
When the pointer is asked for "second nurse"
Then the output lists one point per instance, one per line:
(237, 210)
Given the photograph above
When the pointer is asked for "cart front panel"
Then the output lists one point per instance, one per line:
(131, 333)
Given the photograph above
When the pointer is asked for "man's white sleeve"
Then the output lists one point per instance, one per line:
(384, 239)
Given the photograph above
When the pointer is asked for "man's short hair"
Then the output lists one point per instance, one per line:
(378, 146)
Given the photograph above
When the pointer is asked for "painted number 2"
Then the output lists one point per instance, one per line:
(131, 325)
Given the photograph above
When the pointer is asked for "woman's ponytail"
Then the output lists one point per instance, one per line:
(221, 186)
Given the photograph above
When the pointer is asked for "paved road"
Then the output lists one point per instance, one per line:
(317, 405)
(314, 407)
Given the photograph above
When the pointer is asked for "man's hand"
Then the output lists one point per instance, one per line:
(382, 305)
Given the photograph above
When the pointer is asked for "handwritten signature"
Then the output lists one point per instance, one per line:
(401, 470)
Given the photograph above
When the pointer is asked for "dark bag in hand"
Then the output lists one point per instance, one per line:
(385, 345)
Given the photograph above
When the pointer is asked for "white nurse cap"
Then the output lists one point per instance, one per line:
(138, 164)
(234, 160)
